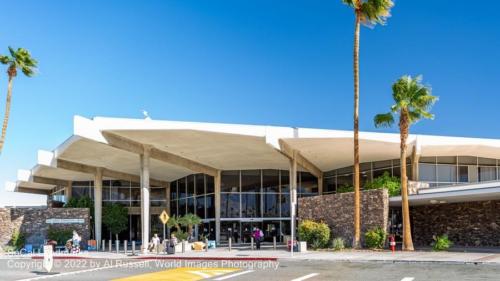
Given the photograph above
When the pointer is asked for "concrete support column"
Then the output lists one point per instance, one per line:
(98, 206)
(167, 197)
(217, 183)
(320, 185)
(68, 189)
(145, 198)
(293, 198)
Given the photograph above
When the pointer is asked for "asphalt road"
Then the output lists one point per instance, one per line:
(130, 270)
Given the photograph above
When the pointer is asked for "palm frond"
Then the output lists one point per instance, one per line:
(384, 120)
(5, 59)
(350, 3)
(375, 11)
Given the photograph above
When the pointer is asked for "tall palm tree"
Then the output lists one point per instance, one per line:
(413, 102)
(18, 59)
(369, 13)
(190, 220)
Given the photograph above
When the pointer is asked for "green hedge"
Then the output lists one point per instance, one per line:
(375, 238)
(392, 184)
(315, 234)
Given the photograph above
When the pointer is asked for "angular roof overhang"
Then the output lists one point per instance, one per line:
(182, 148)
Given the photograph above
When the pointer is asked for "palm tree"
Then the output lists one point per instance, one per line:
(189, 220)
(369, 13)
(174, 221)
(20, 59)
(413, 102)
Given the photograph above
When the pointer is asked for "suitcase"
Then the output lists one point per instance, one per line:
(171, 249)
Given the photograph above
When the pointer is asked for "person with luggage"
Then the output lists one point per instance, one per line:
(257, 235)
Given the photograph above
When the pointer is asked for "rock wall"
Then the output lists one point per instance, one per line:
(32, 222)
(337, 210)
(467, 224)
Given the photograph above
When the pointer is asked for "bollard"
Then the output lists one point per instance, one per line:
(206, 244)
(133, 248)
(183, 246)
(103, 245)
(117, 246)
(125, 246)
(251, 243)
(230, 244)
(274, 243)
(110, 245)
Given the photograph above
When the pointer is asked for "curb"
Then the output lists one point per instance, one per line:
(208, 258)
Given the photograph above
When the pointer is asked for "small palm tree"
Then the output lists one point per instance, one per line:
(369, 13)
(20, 59)
(189, 220)
(173, 221)
(413, 102)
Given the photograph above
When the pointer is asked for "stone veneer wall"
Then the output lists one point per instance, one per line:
(32, 222)
(337, 210)
(467, 224)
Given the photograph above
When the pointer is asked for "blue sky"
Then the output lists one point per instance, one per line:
(257, 62)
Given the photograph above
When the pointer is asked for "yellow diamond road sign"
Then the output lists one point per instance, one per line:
(164, 217)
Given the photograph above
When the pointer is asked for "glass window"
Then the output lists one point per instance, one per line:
(182, 207)
(271, 205)
(467, 160)
(230, 205)
(200, 206)
(329, 185)
(308, 183)
(378, 173)
(210, 202)
(173, 190)
(447, 173)
(173, 207)
(106, 193)
(344, 180)
(285, 181)
(396, 171)
(120, 193)
(157, 193)
(365, 166)
(181, 187)
(200, 184)
(250, 181)
(210, 184)
(230, 181)
(190, 185)
(250, 205)
(463, 173)
(270, 180)
(487, 173)
(427, 172)
(428, 160)
(158, 203)
(135, 193)
(346, 170)
(190, 205)
(285, 205)
(80, 191)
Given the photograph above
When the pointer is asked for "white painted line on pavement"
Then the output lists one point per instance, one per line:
(233, 275)
(80, 271)
(408, 279)
(305, 277)
(202, 274)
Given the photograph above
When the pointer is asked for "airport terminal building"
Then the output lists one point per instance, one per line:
(236, 177)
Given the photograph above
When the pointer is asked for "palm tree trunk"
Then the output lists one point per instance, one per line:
(357, 209)
(404, 130)
(7, 113)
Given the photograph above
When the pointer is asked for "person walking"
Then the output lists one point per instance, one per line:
(257, 236)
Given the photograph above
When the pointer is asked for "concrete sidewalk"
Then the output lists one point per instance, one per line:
(342, 256)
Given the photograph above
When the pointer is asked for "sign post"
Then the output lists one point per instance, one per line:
(48, 257)
(164, 219)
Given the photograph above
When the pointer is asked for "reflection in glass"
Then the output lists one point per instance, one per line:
(487, 173)
(200, 206)
(190, 185)
(270, 180)
(250, 181)
(271, 205)
(285, 205)
(250, 205)
(200, 184)
(230, 205)
(210, 201)
(230, 181)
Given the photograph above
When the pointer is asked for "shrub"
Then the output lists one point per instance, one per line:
(345, 188)
(315, 234)
(17, 240)
(375, 238)
(181, 235)
(61, 235)
(441, 243)
(392, 184)
(338, 244)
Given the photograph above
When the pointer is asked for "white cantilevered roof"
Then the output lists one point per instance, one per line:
(215, 146)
